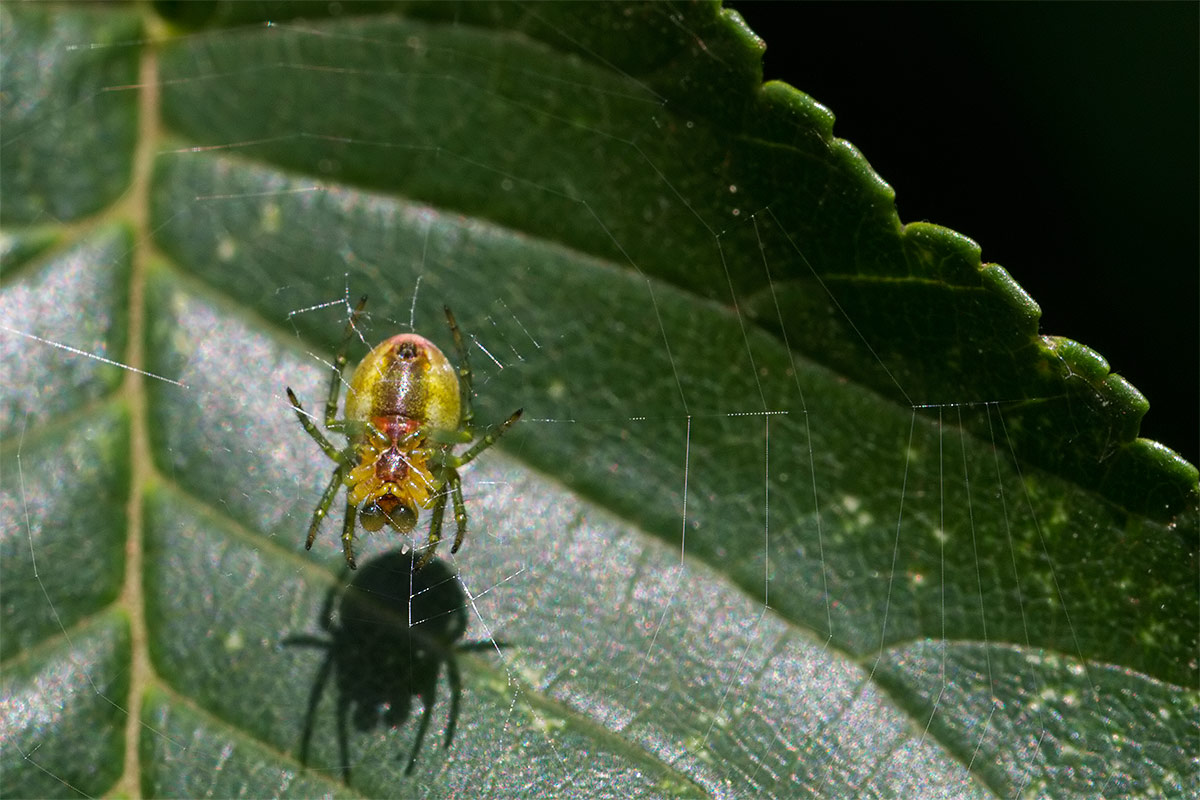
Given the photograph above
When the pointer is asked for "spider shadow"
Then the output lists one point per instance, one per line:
(394, 629)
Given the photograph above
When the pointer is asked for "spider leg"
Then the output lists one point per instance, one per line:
(435, 528)
(348, 534)
(312, 430)
(464, 369)
(339, 364)
(487, 441)
(460, 509)
(322, 508)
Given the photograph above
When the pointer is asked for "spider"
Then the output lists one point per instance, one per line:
(406, 408)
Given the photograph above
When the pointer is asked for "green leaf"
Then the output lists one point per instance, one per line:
(801, 502)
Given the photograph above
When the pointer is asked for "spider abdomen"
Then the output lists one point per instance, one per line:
(406, 377)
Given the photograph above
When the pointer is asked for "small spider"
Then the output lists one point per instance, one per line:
(406, 408)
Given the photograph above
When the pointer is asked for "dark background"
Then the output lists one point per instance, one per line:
(1063, 138)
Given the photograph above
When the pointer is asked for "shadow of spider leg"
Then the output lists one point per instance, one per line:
(386, 638)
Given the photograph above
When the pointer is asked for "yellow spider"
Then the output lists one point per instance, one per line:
(406, 408)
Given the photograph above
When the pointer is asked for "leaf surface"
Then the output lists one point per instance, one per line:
(801, 502)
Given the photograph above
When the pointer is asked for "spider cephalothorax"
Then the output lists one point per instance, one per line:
(406, 408)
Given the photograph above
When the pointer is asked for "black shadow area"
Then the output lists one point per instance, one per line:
(387, 635)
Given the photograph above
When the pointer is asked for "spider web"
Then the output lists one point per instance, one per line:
(704, 563)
